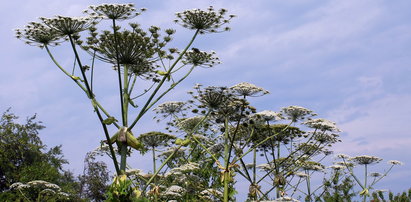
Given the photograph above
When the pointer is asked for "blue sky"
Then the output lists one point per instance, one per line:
(349, 61)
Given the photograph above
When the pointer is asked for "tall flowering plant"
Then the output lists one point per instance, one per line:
(135, 53)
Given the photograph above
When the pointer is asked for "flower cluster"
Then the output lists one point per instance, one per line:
(130, 49)
(174, 191)
(18, 185)
(113, 11)
(337, 167)
(266, 115)
(200, 58)
(133, 172)
(322, 125)
(395, 162)
(155, 139)
(214, 97)
(39, 35)
(248, 89)
(170, 108)
(375, 174)
(209, 194)
(296, 113)
(312, 166)
(301, 174)
(204, 21)
(177, 154)
(326, 138)
(190, 124)
(43, 184)
(365, 159)
(285, 198)
(68, 26)
(185, 168)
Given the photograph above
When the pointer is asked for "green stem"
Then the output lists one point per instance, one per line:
(126, 96)
(365, 182)
(91, 97)
(119, 73)
(77, 81)
(154, 159)
(92, 70)
(308, 185)
(64, 71)
(254, 165)
(235, 131)
(227, 145)
(382, 176)
(132, 85)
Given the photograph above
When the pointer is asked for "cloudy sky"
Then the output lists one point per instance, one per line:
(349, 61)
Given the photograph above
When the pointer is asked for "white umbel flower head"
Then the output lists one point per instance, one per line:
(201, 58)
(286, 198)
(374, 174)
(342, 156)
(190, 124)
(337, 167)
(68, 25)
(212, 192)
(248, 89)
(170, 108)
(365, 159)
(188, 167)
(113, 11)
(395, 162)
(301, 174)
(267, 115)
(175, 188)
(39, 34)
(322, 125)
(296, 113)
(15, 185)
(205, 21)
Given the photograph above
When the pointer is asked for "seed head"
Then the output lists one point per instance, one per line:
(156, 139)
(248, 89)
(39, 34)
(200, 58)
(205, 21)
(113, 11)
(395, 162)
(267, 115)
(365, 159)
(296, 113)
(68, 25)
(322, 125)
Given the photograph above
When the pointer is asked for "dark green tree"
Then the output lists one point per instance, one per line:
(24, 158)
(93, 181)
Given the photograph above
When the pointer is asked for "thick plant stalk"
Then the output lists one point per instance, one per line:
(365, 182)
(226, 174)
(91, 97)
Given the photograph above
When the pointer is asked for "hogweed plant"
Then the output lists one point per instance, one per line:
(134, 53)
(221, 131)
(211, 140)
(365, 160)
(39, 190)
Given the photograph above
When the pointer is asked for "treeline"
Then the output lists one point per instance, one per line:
(30, 171)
